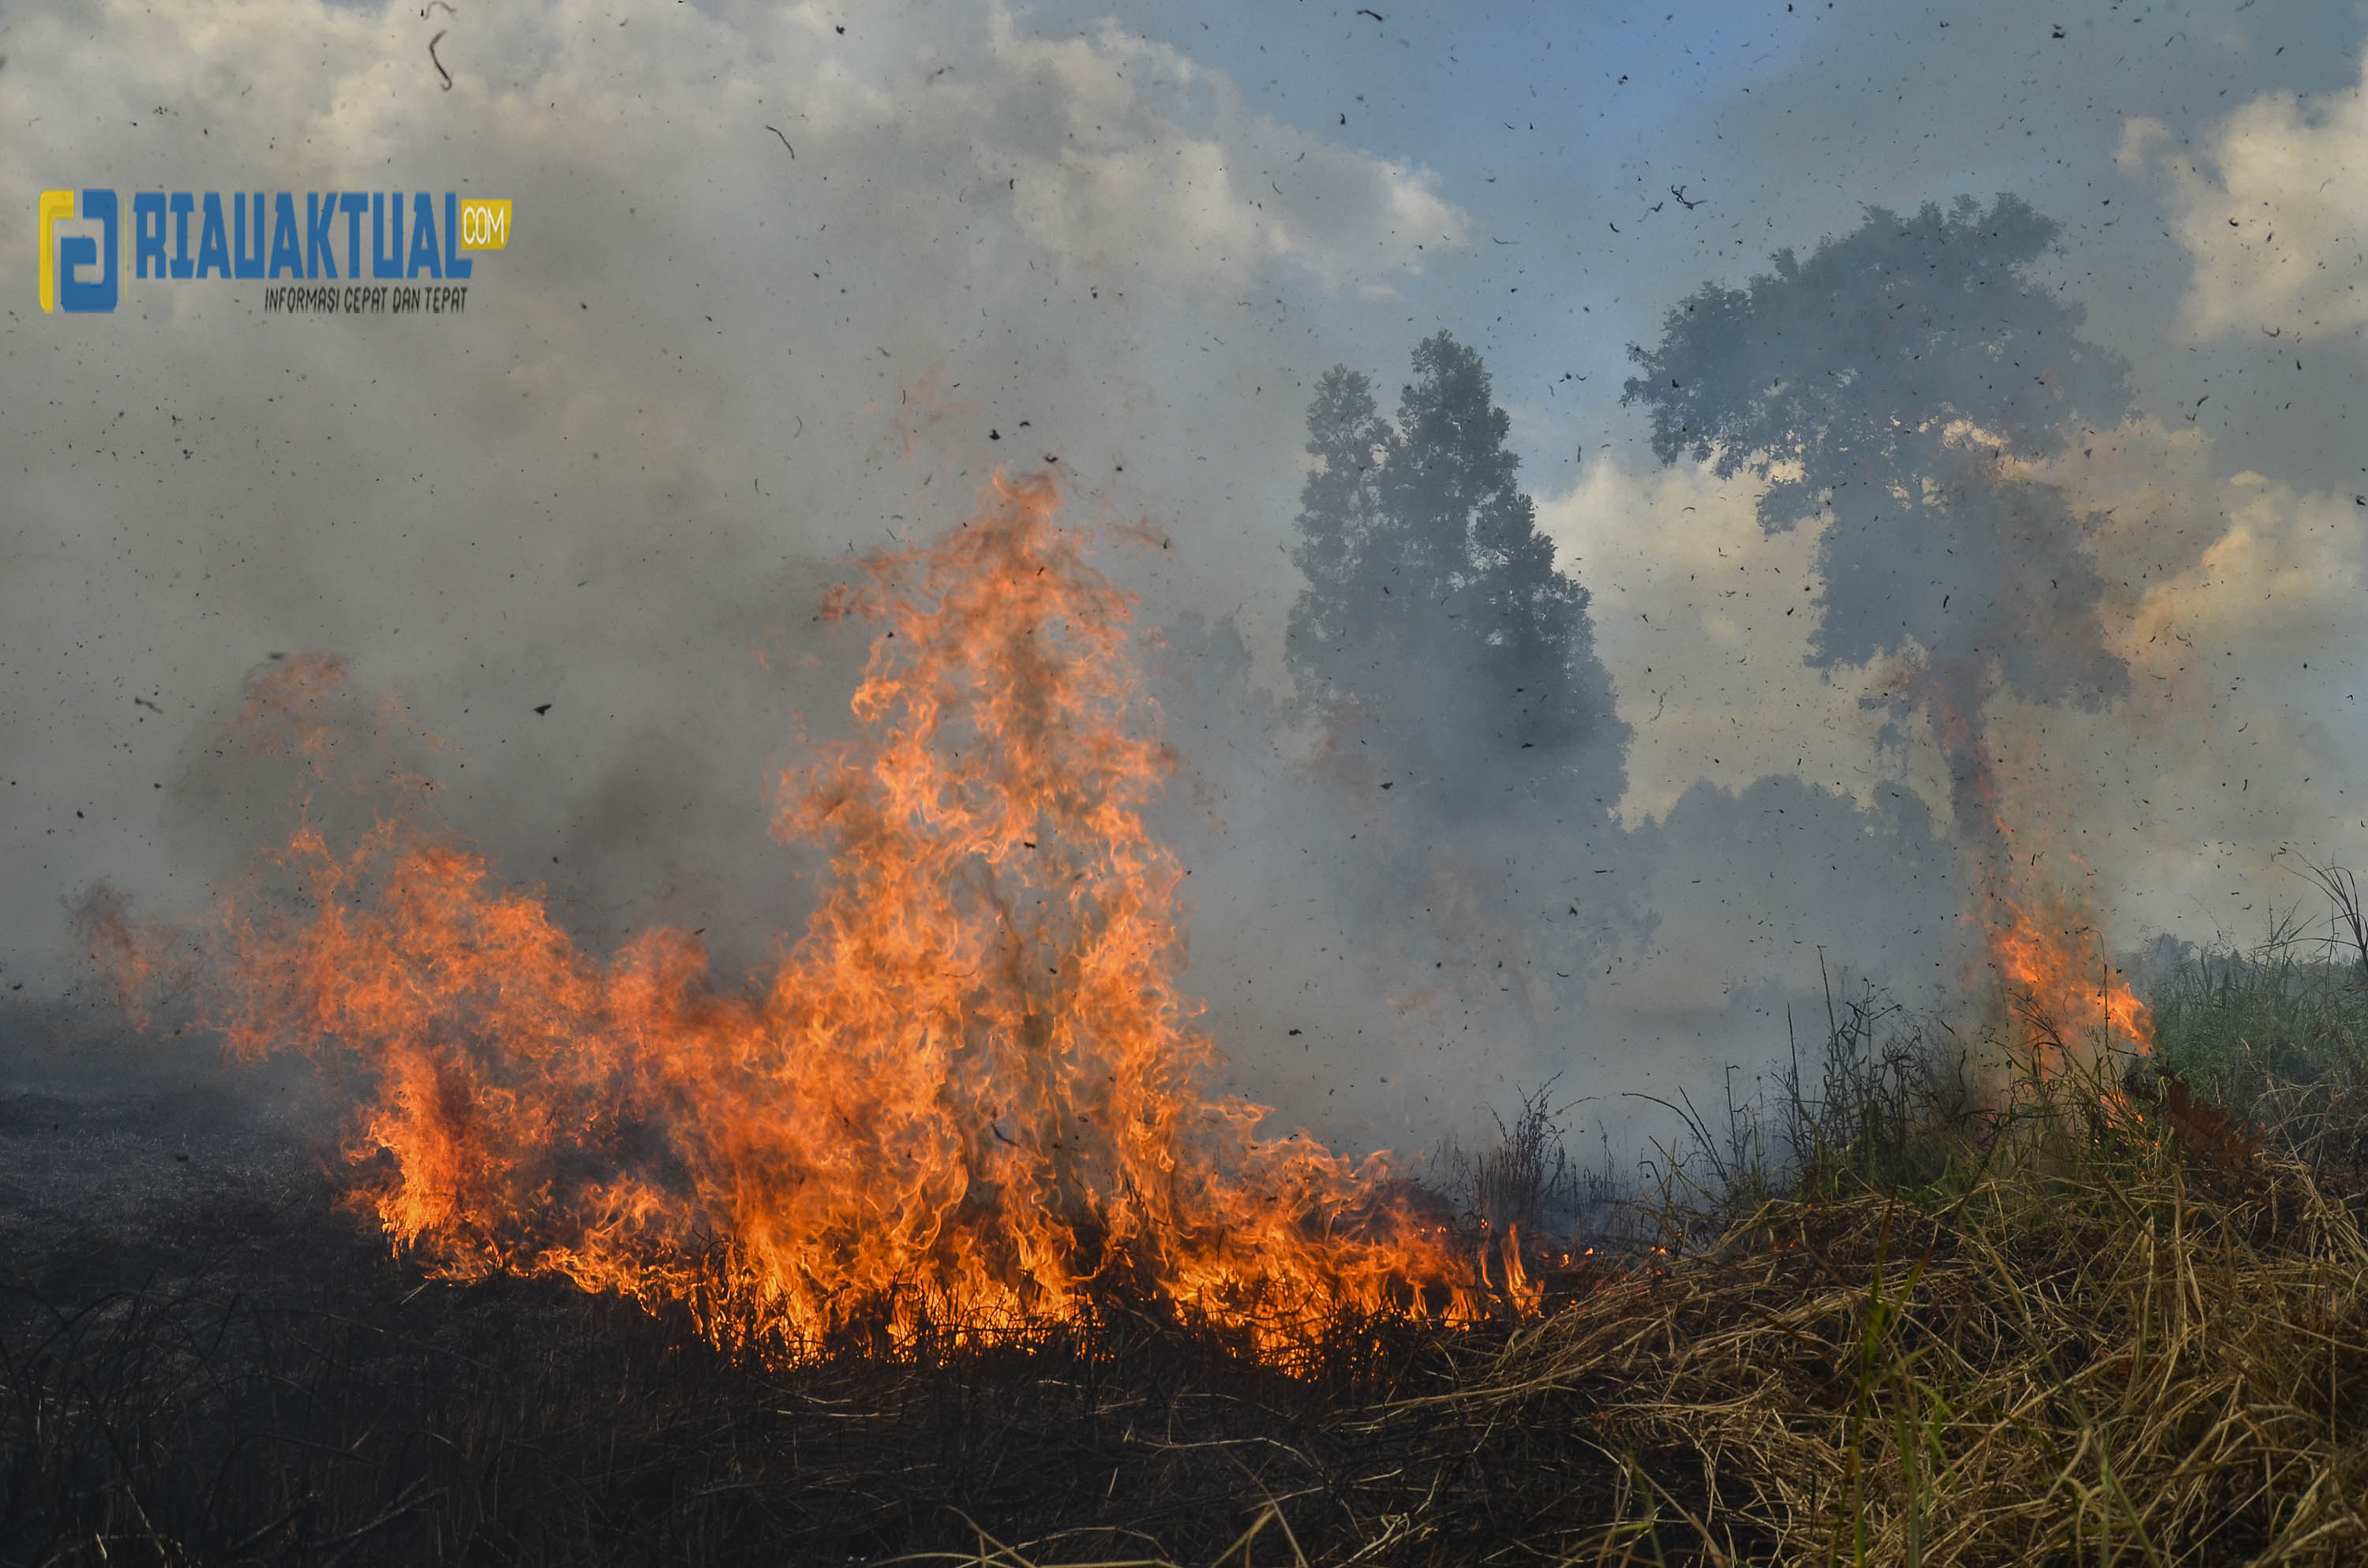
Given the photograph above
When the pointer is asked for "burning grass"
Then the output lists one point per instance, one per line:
(970, 1100)
(2073, 1318)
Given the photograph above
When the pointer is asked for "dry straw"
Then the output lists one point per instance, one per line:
(2126, 1336)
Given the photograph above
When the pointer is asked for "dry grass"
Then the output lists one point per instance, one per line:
(1966, 1318)
(2082, 1365)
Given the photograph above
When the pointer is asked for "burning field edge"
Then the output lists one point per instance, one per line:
(1908, 1310)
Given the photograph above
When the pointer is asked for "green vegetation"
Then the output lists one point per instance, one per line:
(2279, 1034)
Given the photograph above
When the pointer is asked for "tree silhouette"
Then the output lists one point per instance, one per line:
(1436, 637)
(1901, 376)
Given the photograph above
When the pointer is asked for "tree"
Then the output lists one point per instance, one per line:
(1899, 377)
(1436, 635)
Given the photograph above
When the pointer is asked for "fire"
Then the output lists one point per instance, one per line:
(2045, 942)
(2045, 945)
(2060, 978)
(969, 1101)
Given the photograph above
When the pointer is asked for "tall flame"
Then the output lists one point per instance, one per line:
(968, 1099)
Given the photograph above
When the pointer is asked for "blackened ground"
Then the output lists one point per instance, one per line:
(206, 1358)
(2109, 1312)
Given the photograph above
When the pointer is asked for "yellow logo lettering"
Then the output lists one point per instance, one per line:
(54, 205)
(484, 225)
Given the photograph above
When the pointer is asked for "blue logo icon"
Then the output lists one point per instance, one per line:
(64, 257)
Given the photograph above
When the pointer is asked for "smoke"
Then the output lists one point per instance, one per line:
(782, 295)
(581, 529)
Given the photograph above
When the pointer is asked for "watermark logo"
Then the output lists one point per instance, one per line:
(183, 236)
(65, 258)
(484, 225)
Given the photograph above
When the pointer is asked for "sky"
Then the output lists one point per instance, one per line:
(788, 282)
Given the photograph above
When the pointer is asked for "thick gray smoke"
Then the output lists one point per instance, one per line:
(786, 285)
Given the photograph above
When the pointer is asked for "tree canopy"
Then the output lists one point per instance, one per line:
(1436, 634)
(1902, 378)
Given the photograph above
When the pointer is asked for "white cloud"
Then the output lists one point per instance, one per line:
(1705, 620)
(2234, 598)
(1143, 159)
(2272, 206)
(1112, 152)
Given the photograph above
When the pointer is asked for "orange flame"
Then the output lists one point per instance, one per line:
(969, 1100)
(2046, 944)
(2059, 977)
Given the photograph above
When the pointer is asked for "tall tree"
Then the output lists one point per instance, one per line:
(1436, 637)
(1902, 378)
(1902, 381)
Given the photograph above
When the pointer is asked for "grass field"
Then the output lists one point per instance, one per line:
(1922, 1307)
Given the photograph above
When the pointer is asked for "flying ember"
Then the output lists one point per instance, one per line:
(970, 1100)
